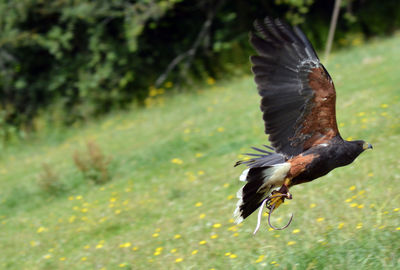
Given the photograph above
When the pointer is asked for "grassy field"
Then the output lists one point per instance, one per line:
(169, 204)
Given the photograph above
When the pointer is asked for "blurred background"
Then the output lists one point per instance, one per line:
(93, 57)
(120, 123)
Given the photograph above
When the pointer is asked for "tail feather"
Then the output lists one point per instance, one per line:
(249, 198)
(259, 184)
(263, 158)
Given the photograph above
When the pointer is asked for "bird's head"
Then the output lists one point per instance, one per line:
(357, 147)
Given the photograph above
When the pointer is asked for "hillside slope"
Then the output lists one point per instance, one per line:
(170, 202)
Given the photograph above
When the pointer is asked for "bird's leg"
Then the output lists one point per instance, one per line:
(278, 196)
(273, 201)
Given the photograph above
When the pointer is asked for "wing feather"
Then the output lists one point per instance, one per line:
(298, 95)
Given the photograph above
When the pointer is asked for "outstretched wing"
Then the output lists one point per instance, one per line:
(298, 95)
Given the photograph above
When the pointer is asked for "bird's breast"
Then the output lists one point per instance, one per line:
(324, 160)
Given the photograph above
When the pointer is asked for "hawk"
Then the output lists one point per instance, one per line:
(298, 105)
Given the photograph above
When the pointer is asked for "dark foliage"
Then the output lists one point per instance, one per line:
(69, 60)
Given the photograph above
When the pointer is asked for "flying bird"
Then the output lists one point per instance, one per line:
(298, 104)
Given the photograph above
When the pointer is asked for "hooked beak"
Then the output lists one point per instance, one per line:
(367, 146)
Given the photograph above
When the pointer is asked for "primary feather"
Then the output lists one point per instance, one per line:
(284, 71)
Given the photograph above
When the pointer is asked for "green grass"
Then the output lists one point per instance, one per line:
(159, 214)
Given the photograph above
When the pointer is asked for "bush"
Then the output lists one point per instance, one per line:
(49, 180)
(93, 164)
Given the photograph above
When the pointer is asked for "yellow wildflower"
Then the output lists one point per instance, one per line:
(125, 245)
(33, 243)
(210, 81)
(41, 229)
(168, 84)
(260, 258)
(177, 161)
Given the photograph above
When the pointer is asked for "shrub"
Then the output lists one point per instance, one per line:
(93, 164)
(49, 180)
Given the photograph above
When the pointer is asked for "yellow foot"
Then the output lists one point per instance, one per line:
(277, 198)
(273, 201)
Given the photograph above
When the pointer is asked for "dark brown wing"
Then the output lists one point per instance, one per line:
(298, 95)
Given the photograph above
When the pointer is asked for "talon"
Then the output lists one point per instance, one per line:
(278, 197)
(272, 202)
(276, 200)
